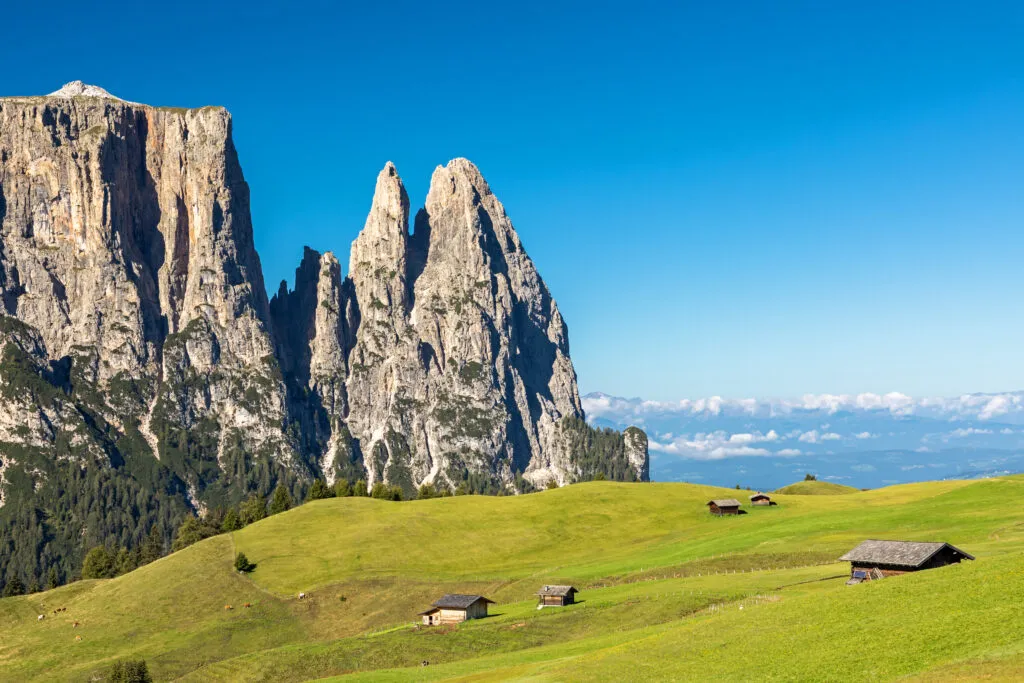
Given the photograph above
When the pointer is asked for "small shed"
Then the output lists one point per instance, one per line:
(455, 608)
(761, 499)
(873, 560)
(556, 596)
(724, 506)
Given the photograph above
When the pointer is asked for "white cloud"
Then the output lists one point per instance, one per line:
(789, 451)
(979, 406)
(814, 437)
(969, 431)
(713, 445)
(863, 468)
(865, 435)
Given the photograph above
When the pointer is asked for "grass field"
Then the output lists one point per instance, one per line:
(667, 591)
(815, 488)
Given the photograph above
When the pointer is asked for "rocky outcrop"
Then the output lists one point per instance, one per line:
(127, 245)
(129, 273)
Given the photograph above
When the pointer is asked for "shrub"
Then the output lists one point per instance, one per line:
(810, 477)
(243, 564)
(360, 489)
(129, 671)
(381, 491)
(552, 484)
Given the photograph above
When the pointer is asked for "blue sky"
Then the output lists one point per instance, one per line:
(760, 198)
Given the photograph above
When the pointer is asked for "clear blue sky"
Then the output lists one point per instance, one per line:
(761, 198)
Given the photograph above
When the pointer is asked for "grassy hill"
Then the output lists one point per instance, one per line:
(698, 595)
(815, 488)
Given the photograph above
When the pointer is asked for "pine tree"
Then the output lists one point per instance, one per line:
(153, 548)
(243, 564)
(52, 580)
(98, 564)
(231, 521)
(360, 489)
(127, 560)
(319, 490)
(281, 501)
(342, 488)
(13, 587)
(252, 510)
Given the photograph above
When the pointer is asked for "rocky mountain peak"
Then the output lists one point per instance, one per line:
(80, 89)
(128, 269)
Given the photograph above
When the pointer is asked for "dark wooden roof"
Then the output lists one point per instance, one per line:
(458, 601)
(760, 495)
(725, 503)
(557, 591)
(898, 553)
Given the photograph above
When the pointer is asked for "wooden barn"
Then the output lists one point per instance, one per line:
(724, 506)
(761, 499)
(873, 560)
(556, 596)
(455, 608)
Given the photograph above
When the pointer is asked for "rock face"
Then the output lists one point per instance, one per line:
(136, 312)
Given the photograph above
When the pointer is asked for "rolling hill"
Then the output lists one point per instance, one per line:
(698, 596)
(815, 488)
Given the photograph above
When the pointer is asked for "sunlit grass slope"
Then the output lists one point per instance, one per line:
(815, 488)
(649, 558)
(957, 623)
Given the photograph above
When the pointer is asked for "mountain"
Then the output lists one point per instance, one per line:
(865, 440)
(145, 374)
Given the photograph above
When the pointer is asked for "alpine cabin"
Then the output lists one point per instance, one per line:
(873, 560)
(455, 608)
(761, 499)
(724, 506)
(556, 596)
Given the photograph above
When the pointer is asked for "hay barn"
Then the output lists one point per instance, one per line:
(761, 499)
(724, 506)
(556, 596)
(873, 560)
(455, 608)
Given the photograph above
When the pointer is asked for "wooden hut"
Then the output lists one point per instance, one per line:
(873, 560)
(761, 499)
(724, 506)
(455, 608)
(556, 596)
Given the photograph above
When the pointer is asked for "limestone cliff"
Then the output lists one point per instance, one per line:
(138, 342)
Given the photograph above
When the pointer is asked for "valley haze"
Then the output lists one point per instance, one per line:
(865, 440)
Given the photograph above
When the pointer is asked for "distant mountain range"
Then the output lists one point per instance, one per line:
(864, 440)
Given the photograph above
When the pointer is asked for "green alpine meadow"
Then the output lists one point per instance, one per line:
(701, 595)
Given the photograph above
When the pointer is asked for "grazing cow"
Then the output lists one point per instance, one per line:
(77, 638)
(302, 596)
(248, 604)
(41, 617)
(75, 625)
(424, 663)
(228, 607)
